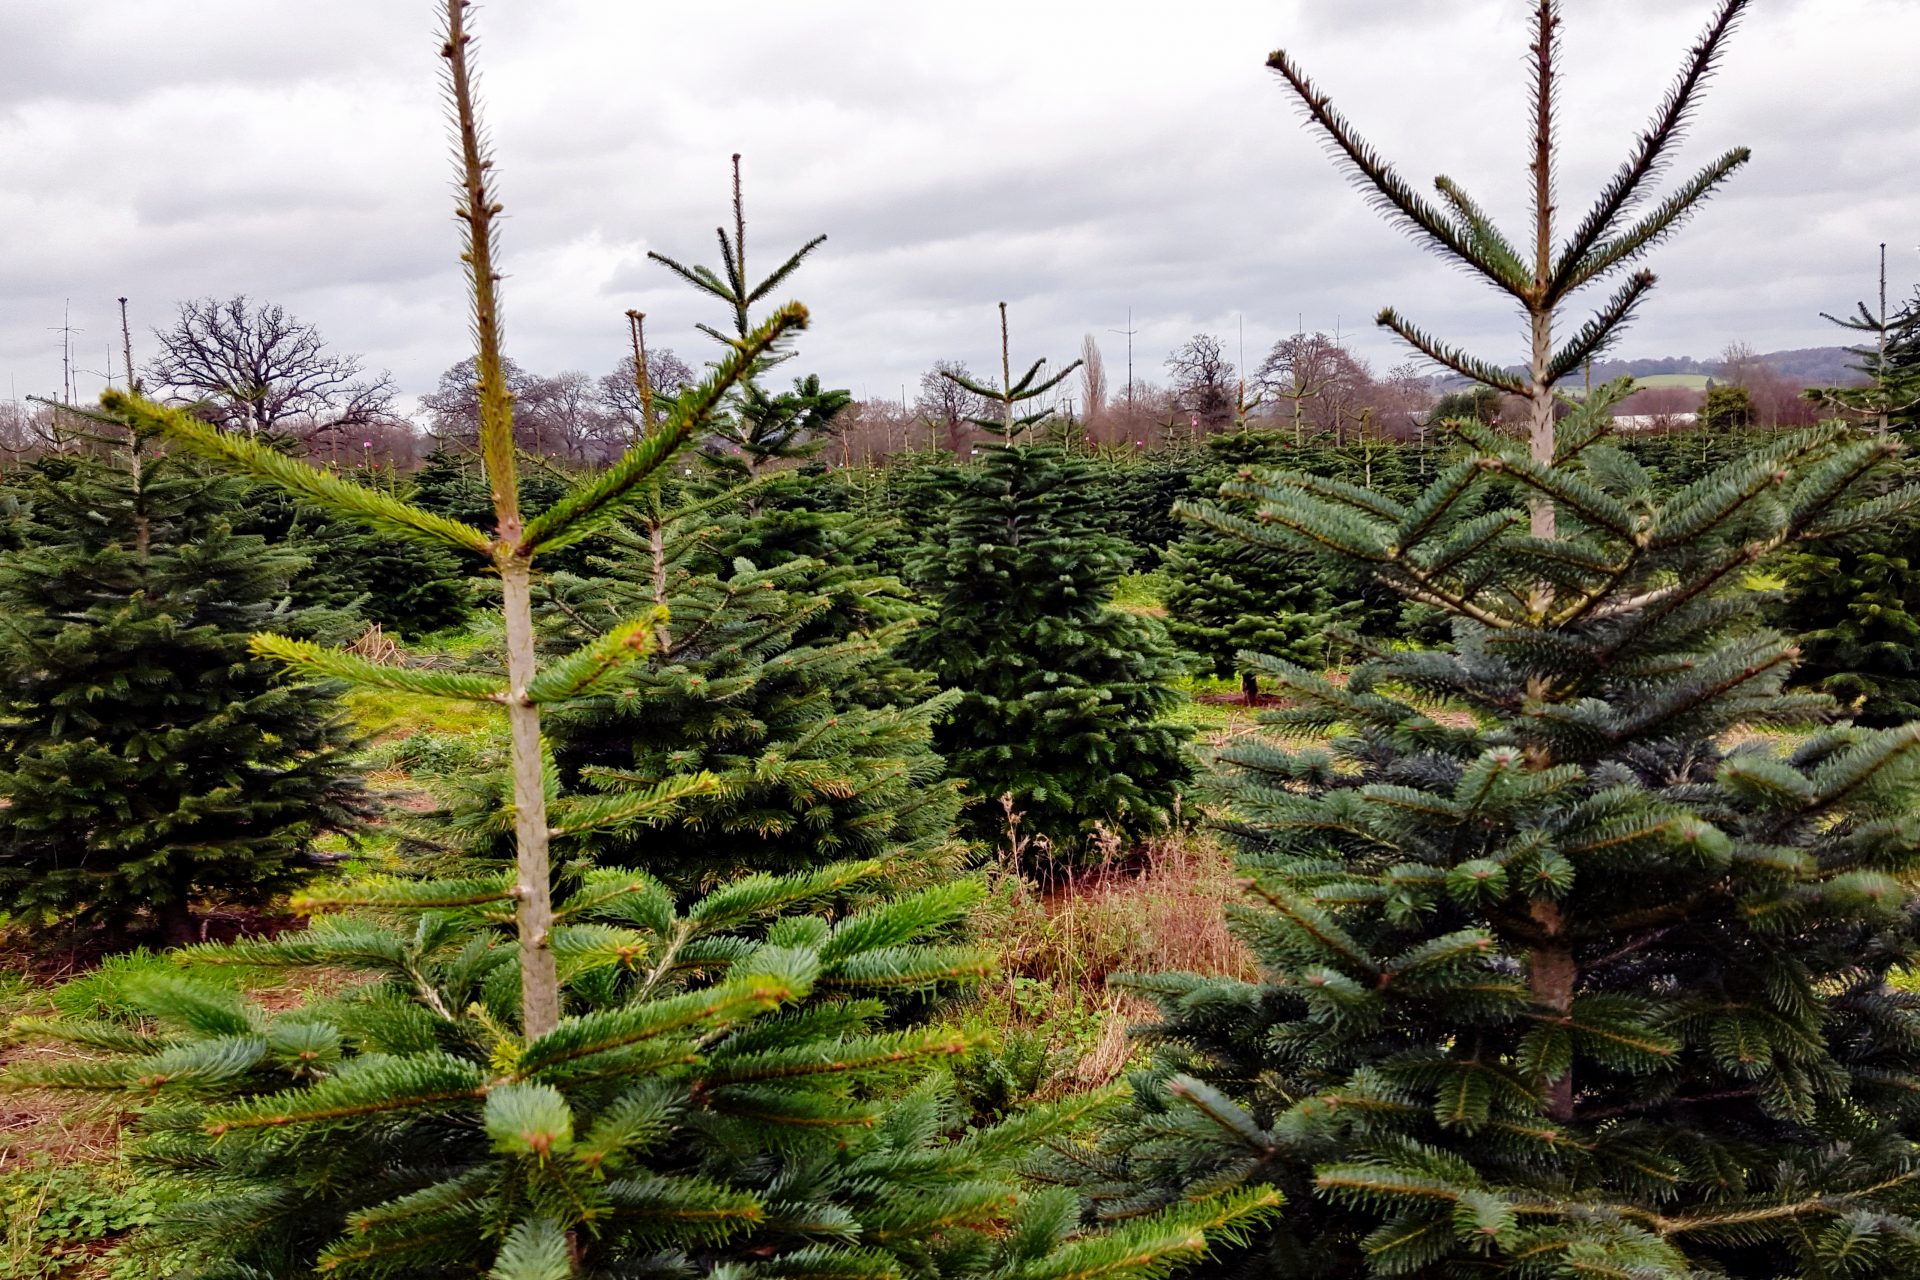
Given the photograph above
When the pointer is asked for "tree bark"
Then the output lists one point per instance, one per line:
(539, 975)
(179, 926)
(1551, 977)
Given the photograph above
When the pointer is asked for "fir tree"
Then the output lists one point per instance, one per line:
(772, 514)
(147, 763)
(1063, 697)
(757, 428)
(1852, 606)
(1575, 987)
(1224, 599)
(820, 748)
(724, 1098)
(407, 588)
(1891, 363)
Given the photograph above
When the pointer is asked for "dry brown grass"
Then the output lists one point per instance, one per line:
(1162, 908)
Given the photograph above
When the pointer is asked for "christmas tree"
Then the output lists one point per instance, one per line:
(1224, 599)
(1891, 363)
(756, 428)
(1220, 600)
(1578, 983)
(407, 588)
(148, 764)
(1852, 606)
(1063, 697)
(819, 745)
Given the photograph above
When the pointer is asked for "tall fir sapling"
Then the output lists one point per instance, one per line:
(756, 453)
(1064, 698)
(1585, 985)
(620, 1085)
(1890, 361)
(148, 763)
(757, 428)
(775, 670)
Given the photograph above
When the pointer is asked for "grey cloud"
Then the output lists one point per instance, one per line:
(1074, 160)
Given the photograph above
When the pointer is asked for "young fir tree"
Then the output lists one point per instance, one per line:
(724, 1099)
(609, 1088)
(148, 764)
(756, 429)
(773, 514)
(821, 749)
(1224, 599)
(407, 588)
(1578, 987)
(1063, 696)
(1852, 606)
(774, 671)
(1891, 363)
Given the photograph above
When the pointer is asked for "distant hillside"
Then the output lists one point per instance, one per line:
(1814, 366)
(1810, 366)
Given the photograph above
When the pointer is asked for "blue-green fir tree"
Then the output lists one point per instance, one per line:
(1585, 985)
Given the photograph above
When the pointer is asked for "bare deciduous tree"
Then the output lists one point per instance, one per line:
(1317, 380)
(1093, 381)
(946, 406)
(1203, 381)
(667, 375)
(256, 368)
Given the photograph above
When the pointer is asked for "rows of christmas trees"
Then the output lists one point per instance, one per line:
(1564, 967)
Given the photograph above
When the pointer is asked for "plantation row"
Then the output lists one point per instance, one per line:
(1564, 967)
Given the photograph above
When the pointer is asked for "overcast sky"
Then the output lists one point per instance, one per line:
(1072, 158)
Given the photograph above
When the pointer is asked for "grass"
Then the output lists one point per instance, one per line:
(1142, 593)
(1060, 946)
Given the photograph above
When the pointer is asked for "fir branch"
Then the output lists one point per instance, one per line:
(624, 810)
(1469, 367)
(582, 672)
(412, 1083)
(784, 270)
(1666, 218)
(390, 894)
(310, 484)
(1493, 247)
(1598, 333)
(1649, 153)
(1385, 189)
(338, 664)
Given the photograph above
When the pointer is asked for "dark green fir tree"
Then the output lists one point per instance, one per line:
(406, 588)
(1224, 599)
(819, 744)
(1577, 987)
(148, 765)
(1889, 359)
(1220, 600)
(1064, 698)
(1853, 606)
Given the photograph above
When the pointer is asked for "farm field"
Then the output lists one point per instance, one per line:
(1252, 801)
